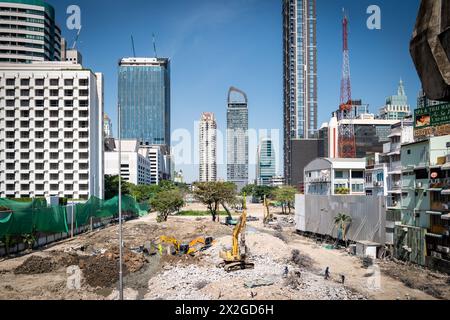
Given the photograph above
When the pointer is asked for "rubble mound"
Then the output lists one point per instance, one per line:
(103, 270)
(36, 265)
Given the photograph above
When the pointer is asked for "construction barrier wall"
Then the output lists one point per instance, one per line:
(316, 214)
(36, 218)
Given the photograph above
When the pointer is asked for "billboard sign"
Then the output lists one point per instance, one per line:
(432, 121)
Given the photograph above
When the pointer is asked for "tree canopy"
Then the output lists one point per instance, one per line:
(213, 194)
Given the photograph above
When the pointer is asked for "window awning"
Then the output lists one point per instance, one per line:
(394, 153)
(446, 216)
(445, 192)
(435, 189)
(434, 213)
(433, 235)
(395, 134)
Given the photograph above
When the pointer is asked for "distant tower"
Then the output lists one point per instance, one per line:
(237, 137)
(347, 142)
(107, 126)
(265, 165)
(396, 107)
(300, 76)
(208, 148)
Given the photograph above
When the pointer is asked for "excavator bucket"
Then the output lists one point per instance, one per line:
(430, 48)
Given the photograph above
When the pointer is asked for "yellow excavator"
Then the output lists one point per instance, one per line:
(268, 217)
(236, 259)
(190, 248)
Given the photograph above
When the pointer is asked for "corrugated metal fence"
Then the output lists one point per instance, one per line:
(316, 214)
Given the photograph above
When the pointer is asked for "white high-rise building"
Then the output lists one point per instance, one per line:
(51, 133)
(28, 32)
(208, 147)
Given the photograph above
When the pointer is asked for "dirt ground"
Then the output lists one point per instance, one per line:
(287, 266)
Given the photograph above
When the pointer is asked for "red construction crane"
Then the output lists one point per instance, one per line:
(347, 142)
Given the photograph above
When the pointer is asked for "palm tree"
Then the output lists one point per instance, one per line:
(342, 222)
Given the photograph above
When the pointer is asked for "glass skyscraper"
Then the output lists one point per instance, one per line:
(237, 138)
(265, 165)
(300, 74)
(144, 98)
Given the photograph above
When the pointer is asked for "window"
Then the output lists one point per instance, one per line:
(24, 166)
(25, 176)
(409, 151)
(68, 103)
(39, 145)
(68, 114)
(84, 145)
(24, 145)
(39, 113)
(54, 187)
(68, 176)
(39, 135)
(25, 82)
(68, 166)
(357, 187)
(39, 82)
(10, 82)
(68, 93)
(10, 145)
(24, 156)
(10, 135)
(39, 103)
(339, 174)
(54, 145)
(68, 156)
(83, 114)
(68, 82)
(54, 114)
(39, 155)
(40, 177)
(10, 103)
(10, 176)
(54, 103)
(54, 166)
(357, 174)
(39, 93)
(10, 113)
(39, 166)
(10, 166)
(54, 156)
(83, 82)
(25, 93)
(10, 92)
(54, 135)
(68, 135)
(54, 82)
(84, 103)
(24, 134)
(25, 103)
(68, 145)
(421, 174)
(84, 93)
(54, 93)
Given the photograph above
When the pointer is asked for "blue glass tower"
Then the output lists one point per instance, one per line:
(144, 98)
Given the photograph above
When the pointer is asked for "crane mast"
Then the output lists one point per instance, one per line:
(347, 142)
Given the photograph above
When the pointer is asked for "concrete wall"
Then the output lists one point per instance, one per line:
(315, 214)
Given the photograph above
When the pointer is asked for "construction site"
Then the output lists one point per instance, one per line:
(261, 257)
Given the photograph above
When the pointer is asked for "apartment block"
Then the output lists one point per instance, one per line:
(51, 133)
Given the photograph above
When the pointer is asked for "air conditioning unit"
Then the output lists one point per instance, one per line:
(419, 185)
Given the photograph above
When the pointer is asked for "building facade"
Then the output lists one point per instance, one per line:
(237, 137)
(51, 133)
(208, 148)
(135, 165)
(265, 163)
(325, 176)
(422, 236)
(28, 32)
(144, 98)
(300, 74)
(376, 176)
(370, 134)
(396, 107)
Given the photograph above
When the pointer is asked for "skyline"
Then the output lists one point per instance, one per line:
(196, 37)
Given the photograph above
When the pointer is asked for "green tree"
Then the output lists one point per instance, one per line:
(248, 190)
(286, 196)
(167, 202)
(342, 222)
(144, 193)
(213, 194)
(263, 191)
(112, 187)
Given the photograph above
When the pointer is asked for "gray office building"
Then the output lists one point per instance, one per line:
(237, 137)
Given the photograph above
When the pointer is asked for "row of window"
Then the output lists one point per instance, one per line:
(53, 103)
(41, 114)
(41, 176)
(53, 124)
(40, 135)
(40, 187)
(41, 166)
(40, 156)
(52, 92)
(40, 145)
(53, 82)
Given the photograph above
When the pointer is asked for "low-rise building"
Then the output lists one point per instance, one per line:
(422, 236)
(325, 176)
(376, 176)
(135, 165)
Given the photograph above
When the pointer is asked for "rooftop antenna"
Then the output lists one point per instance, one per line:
(76, 39)
(132, 45)
(154, 46)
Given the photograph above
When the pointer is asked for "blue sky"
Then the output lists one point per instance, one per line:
(215, 44)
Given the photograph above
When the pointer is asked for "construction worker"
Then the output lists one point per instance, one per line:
(327, 273)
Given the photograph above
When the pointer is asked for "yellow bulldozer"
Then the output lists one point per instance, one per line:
(236, 259)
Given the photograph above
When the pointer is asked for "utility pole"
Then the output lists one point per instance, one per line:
(120, 208)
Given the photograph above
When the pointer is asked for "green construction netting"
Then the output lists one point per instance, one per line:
(19, 218)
